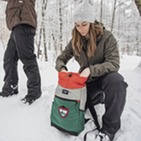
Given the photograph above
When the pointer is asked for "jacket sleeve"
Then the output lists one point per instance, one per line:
(65, 56)
(111, 58)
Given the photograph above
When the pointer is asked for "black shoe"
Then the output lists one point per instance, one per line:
(102, 137)
(11, 90)
(111, 136)
(28, 100)
(15, 89)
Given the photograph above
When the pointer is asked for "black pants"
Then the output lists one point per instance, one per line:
(21, 46)
(115, 94)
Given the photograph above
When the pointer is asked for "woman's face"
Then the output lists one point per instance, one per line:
(82, 27)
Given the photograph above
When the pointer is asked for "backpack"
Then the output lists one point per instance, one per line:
(68, 107)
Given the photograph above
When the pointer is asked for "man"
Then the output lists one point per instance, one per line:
(21, 19)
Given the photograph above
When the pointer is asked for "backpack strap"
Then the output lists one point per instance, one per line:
(99, 97)
(85, 136)
(94, 114)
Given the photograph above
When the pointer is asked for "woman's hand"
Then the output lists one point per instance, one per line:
(85, 72)
(63, 70)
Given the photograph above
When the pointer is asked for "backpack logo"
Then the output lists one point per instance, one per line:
(63, 111)
(65, 91)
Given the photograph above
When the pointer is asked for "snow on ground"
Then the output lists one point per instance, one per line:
(21, 122)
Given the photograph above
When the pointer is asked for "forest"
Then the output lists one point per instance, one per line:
(55, 23)
(23, 122)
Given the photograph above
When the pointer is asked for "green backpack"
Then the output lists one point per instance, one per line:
(67, 113)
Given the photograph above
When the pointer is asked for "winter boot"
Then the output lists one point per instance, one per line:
(9, 90)
(29, 99)
(104, 137)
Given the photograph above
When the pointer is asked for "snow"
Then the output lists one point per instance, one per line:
(21, 122)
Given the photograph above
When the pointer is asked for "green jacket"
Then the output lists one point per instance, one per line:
(20, 12)
(105, 59)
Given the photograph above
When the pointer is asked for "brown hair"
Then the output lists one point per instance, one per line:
(96, 29)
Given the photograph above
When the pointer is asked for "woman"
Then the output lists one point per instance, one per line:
(96, 51)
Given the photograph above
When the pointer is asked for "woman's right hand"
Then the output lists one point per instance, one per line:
(85, 72)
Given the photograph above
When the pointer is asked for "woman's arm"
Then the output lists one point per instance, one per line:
(65, 56)
(111, 59)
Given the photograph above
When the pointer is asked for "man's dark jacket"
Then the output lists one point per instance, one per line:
(20, 12)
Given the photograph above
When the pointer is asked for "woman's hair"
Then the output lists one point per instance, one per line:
(96, 29)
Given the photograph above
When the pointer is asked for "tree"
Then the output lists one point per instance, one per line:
(101, 11)
(42, 32)
(138, 4)
(113, 15)
(61, 25)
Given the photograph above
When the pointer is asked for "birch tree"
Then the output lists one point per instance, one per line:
(42, 32)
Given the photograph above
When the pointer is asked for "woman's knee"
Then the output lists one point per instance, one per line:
(114, 80)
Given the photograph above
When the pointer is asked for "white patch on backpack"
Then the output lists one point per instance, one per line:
(63, 111)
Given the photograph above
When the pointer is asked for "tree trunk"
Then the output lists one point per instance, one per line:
(113, 16)
(55, 44)
(44, 42)
(101, 11)
(42, 32)
(138, 4)
(61, 24)
(39, 43)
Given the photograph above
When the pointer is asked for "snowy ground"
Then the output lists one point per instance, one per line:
(21, 122)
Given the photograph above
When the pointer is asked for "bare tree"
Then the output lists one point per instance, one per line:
(101, 11)
(113, 15)
(138, 4)
(61, 24)
(42, 32)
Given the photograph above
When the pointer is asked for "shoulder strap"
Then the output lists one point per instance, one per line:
(94, 115)
(85, 136)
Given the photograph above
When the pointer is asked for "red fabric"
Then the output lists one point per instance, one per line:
(71, 80)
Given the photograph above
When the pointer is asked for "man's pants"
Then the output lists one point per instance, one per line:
(21, 46)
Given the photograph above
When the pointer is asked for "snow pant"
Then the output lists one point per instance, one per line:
(21, 46)
(114, 88)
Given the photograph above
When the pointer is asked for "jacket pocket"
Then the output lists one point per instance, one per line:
(13, 15)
